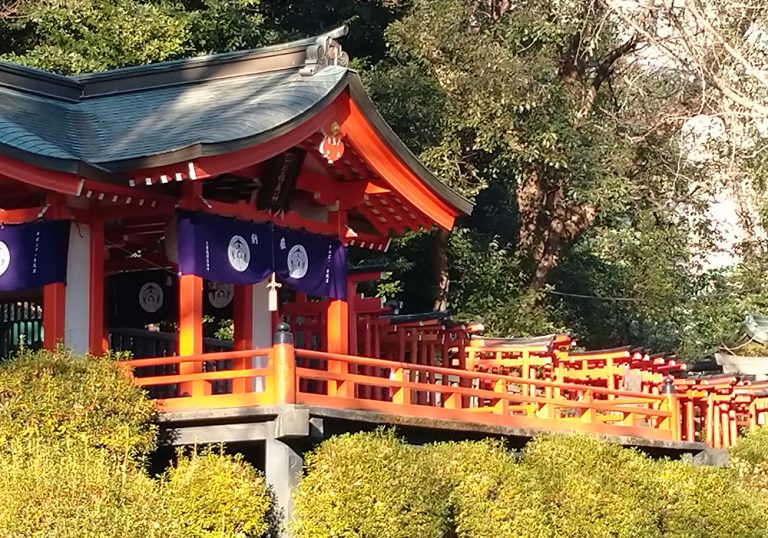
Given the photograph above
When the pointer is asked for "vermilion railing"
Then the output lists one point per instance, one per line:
(414, 390)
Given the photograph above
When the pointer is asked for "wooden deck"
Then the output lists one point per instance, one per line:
(387, 392)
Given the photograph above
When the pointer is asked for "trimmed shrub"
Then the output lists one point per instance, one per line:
(73, 433)
(589, 487)
(215, 495)
(369, 485)
(491, 496)
(61, 397)
(51, 491)
(749, 458)
(707, 502)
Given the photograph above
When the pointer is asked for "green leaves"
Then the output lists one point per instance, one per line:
(60, 397)
(217, 496)
(94, 35)
(561, 487)
(74, 435)
(366, 486)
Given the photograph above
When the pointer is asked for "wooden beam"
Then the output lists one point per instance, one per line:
(372, 149)
(97, 343)
(245, 211)
(48, 180)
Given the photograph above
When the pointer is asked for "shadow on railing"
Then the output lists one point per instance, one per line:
(426, 392)
(194, 387)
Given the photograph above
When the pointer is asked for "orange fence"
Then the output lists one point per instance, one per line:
(415, 390)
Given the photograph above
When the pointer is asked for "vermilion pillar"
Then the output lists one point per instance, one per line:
(338, 342)
(97, 343)
(243, 332)
(338, 326)
(53, 314)
(352, 318)
(191, 331)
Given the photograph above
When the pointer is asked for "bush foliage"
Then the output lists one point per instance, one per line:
(217, 496)
(749, 458)
(561, 487)
(51, 491)
(59, 397)
(369, 485)
(74, 433)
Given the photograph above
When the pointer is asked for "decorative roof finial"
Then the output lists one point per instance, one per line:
(325, 51)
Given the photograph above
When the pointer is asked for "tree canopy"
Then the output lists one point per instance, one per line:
(576, 127)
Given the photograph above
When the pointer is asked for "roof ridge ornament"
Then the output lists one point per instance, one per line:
(325, 51)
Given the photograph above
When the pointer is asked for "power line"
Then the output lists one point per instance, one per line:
(595, 297)
(642, 299)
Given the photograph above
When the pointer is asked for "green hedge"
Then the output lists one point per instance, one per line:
(217, 496)
(368, 485)
(749, 458)
(704, 502)
(51, 491)
(592, 488)
(62, 397)
(74, 434)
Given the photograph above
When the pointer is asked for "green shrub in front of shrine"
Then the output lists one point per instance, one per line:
(215, 495)
(588, 487)
(58, 396)
(749, 459)
(55, 491)
(74, 433)
(706, 502)
(491, 496)
(369, 485)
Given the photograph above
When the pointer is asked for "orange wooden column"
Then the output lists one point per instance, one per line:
(191, 332)
(243, 337)
(338, 342)
(54, 307)
(352, 315)
(54, 295)
(338, 326)
(97, 343)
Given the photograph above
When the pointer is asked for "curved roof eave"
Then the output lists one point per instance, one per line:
(111, 171)
(360, 97)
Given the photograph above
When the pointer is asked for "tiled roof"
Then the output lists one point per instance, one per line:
(111, 119)
(100, 125)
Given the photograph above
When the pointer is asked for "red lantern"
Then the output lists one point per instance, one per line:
(332, 147)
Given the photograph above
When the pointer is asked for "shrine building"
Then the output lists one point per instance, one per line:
(136, 201)
(181, 213)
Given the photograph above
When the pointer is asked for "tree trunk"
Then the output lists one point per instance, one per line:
(549, 225)
(440, 263)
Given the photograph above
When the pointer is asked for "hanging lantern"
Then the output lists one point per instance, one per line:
(332, 147)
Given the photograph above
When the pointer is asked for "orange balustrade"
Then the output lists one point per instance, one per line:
(417, 390)
(199, 381)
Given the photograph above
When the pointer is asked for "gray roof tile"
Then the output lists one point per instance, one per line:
(124, 126)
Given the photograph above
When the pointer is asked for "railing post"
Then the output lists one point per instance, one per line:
(734, 433)
(502, 406)
(587, 413)
(709, 425)
(401, 395)
(753, 420)
(668, 389)
(283, 366)
(690, 419)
